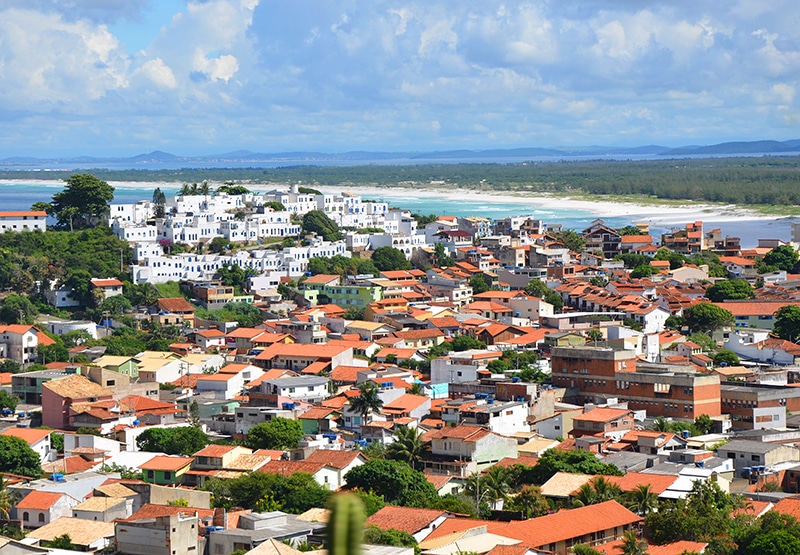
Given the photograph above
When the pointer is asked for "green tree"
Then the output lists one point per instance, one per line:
(83, 203)
(183, 440)
(7, 400)
(159, 203)
(642, 500)
(676, 259)
(398, 538)
(316, 221)
(571, 239)
(704, 424)
(407, 446)
(643, 271)
(632, 545)
(583, 549)
(787, 322)
(465, 343)
(730, 289)
(16, 457)
(278, 433)
(217, 245)
(396, 481)
(594, 335)
(537, 288)
(10, 366)
(782, 257)
(18, 309)
(390, 259)
(725, 357)
(8, 499)
(440, 257)
(598, 490)
(705, 341)
(529, 501)
(706, 317)
(478, 284)
(61, 542)
(366, 401)
(575, 461)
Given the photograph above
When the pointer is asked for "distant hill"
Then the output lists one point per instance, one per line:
(244, 156)
(749, 147)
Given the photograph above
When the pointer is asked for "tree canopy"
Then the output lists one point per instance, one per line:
(17, 457)
(574, 461)
(183, 440)
(787, 322)
(730, 289)
(316, 221)
(389, 259)
(396, 481)
(706, 317)
(278, 433)
(83, 203)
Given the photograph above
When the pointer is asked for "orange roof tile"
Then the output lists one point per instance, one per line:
(658, 482)
(150, 511)
(567, 524)
(405, 519)
(28, 435)
(39, 500)
(166, 462)
(334, 458)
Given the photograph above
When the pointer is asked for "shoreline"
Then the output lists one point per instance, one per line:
(658, 216)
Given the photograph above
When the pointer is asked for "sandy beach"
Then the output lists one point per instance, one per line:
(732, 220)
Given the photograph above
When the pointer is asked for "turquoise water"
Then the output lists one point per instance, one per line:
(20, 196)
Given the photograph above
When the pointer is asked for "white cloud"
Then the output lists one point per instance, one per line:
(159, 73)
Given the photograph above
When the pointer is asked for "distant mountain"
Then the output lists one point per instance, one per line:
(244, 156)
(748, 147)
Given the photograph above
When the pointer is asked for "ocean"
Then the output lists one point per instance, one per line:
(20, 196)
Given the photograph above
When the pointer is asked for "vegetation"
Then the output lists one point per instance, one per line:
(184, 440)
(575, 461)
(316, 221)
(366, 401)
(730, 289)
(395, 481)
(706, 317)
(16, 457)
(390, 259)
(278, 433)
(787, 322)
(260, 491)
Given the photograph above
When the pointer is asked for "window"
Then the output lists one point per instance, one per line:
(41, 517)
(25, 516)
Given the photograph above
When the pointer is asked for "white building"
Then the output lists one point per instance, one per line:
(23, 221)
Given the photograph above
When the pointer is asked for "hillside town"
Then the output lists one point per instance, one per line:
(503, 387)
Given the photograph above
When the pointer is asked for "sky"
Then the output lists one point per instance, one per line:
(123, 77)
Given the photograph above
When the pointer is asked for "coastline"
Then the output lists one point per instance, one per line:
(666, 216)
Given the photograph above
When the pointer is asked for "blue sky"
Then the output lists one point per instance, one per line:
(121, 77)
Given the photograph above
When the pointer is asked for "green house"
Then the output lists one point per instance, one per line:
(127, 366)
(165, 470)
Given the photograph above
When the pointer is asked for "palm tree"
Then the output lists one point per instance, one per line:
(7, 499)
(660, 424)
(408, 446)
(367, 401)
(643, 500)
(631, 545)
(494, 484)
(597, 490)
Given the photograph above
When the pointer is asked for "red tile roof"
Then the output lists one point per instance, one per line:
(28, 435)
(405, 519)
(39, 500)
(567, 524)
(165, 462)
(150, 511)
(335, 458)
(175, 304)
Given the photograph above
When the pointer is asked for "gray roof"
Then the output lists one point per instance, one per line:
(745, 446)
(298, 381)
(279, 530)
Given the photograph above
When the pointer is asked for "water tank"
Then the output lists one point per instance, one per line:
(515, 379)
(685, 434)
(57, 477)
